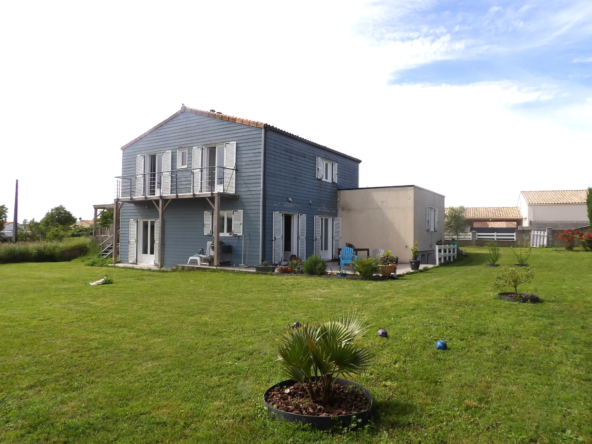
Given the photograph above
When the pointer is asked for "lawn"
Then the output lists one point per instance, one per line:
(186, 356)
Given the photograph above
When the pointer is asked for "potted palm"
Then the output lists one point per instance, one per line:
(313, 356)
(414, 263)
(387, 264)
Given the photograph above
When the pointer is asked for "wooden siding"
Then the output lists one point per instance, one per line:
(183, 228)
(290, 172)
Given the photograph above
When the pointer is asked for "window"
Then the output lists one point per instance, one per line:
(225, 223)
(326, 170)
(432, 219)
(182, 158)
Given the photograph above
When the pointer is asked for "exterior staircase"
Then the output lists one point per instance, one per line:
(107, 247)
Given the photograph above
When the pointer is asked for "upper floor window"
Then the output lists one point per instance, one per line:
(432, 219)
(326, 170)
(182, 158)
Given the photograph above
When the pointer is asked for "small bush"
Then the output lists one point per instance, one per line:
(513, 277)
(494, 252)
(522, 252)
(296, 266)
(366, 268)
(314, 266)
(107, 280)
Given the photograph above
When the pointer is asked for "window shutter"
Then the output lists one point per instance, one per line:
(139, 191)
(317, 235)
(302, 236)
(132, 241)
(436, 220)
(166, 172)
(237, 222)
(334, 172)
(428, 219)
(336, 236)
(319, 168)
(196, 154)
(156, 242)
(207, 223)
(229, 167)
(278, 243)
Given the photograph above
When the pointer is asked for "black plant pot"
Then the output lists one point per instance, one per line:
(492, 265)
(522, 297)
(321, 422)
(414, 264)
(521, 265)
(265, 268)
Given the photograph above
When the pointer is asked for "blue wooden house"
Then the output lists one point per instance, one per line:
(203, 176)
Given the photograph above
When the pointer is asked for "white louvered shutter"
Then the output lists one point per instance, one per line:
(229, 167)
(334, 172)
(278, 242)
(336, 236)
(166, 172)
(436, 220)
(196, 154)
(237, 222)
(319, 168)
(207, 223)
(139, 191)
(302, 236)
(132, 249)
(317, 235)
(156, 242)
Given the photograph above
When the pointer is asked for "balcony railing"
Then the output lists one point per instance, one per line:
(177, 182)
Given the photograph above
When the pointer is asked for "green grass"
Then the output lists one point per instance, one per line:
(186, 357)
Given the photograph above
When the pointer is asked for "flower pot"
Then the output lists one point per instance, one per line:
(341, 275)
(522, 297)
(320, 422)
(414, 263)
(492, 265)
(265, 268)
(521, 265)
(387, 270)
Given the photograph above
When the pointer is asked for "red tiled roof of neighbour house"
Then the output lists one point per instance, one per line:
(220, 116)
(492, 213)
(500, 224)
(556, 197)
(85, 223)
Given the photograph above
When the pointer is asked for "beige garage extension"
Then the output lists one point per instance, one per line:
(555, 209)
(392, 218)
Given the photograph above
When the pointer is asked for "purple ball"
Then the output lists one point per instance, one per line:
(382, 333)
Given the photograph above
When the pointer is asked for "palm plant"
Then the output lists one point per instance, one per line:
(317, 353)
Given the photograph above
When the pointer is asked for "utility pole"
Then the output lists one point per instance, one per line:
(15, 224)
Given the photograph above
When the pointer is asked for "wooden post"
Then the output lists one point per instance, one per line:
(115, 231)
(95, 223)
(217, 230)
(160, 232)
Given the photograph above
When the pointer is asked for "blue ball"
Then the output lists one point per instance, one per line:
(441, 345)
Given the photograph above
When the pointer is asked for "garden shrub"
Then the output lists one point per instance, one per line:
(314, 266)
(493, 252)
(45, 251)
(366, 268)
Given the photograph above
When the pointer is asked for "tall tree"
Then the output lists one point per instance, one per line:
(455, 221)
(56, 217)
(3, 216)
(589, 204)
(105, 219)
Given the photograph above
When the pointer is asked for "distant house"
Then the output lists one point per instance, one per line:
(7, 231)
(555, 209)
(492, 219)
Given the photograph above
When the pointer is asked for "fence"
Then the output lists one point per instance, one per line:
(497, 236)
(461, 236)
(445, 253)
(538, 239)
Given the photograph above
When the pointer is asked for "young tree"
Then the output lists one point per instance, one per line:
(455, 221)
(57, 216)
(3, 215)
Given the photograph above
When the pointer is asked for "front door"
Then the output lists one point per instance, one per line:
(146, 236)
(327, 238)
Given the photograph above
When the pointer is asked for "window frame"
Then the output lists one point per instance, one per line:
(327, 168)
(227, 223)
(432, 219)
(180, 152)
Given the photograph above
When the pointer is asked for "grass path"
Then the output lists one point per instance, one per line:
(185, 357)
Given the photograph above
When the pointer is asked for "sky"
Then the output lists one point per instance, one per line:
(476, 100)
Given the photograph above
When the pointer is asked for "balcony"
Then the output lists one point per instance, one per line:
(185, 183)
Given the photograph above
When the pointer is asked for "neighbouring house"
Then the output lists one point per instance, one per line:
(200, 177)
(393, 218)
(8, 229)
(491, 220)
(554, 209)
(258, 192)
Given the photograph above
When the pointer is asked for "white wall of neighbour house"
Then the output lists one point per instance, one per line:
(525, 210)
(570, 216)
(426, 240)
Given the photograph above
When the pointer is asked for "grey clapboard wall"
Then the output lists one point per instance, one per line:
(290, 172)
(184, 218)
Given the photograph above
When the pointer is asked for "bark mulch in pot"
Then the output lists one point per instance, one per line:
(295, 399)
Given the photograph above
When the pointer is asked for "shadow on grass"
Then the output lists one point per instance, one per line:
(392, 414)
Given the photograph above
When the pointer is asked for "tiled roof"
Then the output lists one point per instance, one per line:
(218, 115)
(555, 197)
(492, 213)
